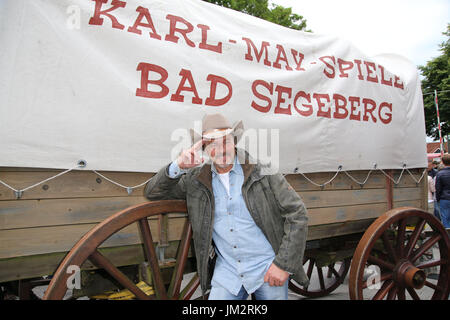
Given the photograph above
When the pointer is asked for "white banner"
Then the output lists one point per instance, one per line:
(119, 83)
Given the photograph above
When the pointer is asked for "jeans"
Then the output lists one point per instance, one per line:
(444, 208)
(265, 292)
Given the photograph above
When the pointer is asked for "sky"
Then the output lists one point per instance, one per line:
(411, 28)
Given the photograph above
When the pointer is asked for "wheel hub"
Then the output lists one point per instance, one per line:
(409, 276)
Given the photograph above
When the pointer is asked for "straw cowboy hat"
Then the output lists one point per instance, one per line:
(215, 126)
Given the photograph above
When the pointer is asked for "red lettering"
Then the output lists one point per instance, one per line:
(353, 115)
(280, 90)
(261, 96)
(143, 91)
(250, 45)
(368, 110)
(186, 76)
(340, 106)
(371, 72)
(342, 69)
(398, 84)
(298, 62)
(174, 20)
(309, 108)
(212, 100)
(388, 119)
(144, 13)
(281, 56)
(383, 80)
(98, 20)
(204, 45)
(358, 64)
(320, 104)
(332, 73)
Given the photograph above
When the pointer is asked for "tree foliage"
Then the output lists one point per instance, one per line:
(260, 8)
(436, 75)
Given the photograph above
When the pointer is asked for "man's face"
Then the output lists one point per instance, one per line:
(221, 150)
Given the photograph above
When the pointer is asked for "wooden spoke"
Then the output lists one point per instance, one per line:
(401, 294)
(413, 293)
(381, 263)
(100, 261)
(385, 287)
(425, 247)
(190, 288)
(392, 293)
(430, 264)
(335, 275)
(401, 229)
(384, 277)
(321, 281)
(150, 254)
(431, 285)
(414, 237)
(388, 246)
(182, 254)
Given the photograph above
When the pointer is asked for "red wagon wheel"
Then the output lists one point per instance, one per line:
(329, 278)
(396, 253)
(87, 249)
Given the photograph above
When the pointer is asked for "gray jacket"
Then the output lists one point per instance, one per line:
(274, 205)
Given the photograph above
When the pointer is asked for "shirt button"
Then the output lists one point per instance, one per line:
(234, 247)
(231, 230)
(242, 275)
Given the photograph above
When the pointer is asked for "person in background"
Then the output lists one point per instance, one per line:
(442, 185)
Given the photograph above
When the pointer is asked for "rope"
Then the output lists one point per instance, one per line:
(82, 163)
(129, 189)
(19, 192)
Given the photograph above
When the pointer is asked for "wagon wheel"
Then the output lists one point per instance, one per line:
(87, 249)
(329, 280)
(387, 246)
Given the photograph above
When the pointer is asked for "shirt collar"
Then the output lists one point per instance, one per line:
(237, 169)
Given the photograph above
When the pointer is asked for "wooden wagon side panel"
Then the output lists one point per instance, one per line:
(37, 230)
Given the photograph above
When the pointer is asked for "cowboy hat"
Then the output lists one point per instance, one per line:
(216, 126)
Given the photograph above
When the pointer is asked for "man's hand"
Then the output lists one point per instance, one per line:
(276, 276)
(191, 157)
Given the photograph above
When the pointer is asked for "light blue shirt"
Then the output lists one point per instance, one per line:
(243, 252)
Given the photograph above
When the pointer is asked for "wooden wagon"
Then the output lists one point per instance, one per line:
(133, 239)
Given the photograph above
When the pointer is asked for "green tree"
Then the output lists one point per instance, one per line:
(436, 75)
(260, 8)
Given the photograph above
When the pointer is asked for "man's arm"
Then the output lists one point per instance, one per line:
(166, 186)
(293, 210)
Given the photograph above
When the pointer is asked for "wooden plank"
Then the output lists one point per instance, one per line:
(75, 184)
(403, 194)
(334, 198)
(338, 229)
(40, 213)
(32, 241)
(318, 216)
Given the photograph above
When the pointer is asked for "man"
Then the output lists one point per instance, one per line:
(249, 229)
(442, 187)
